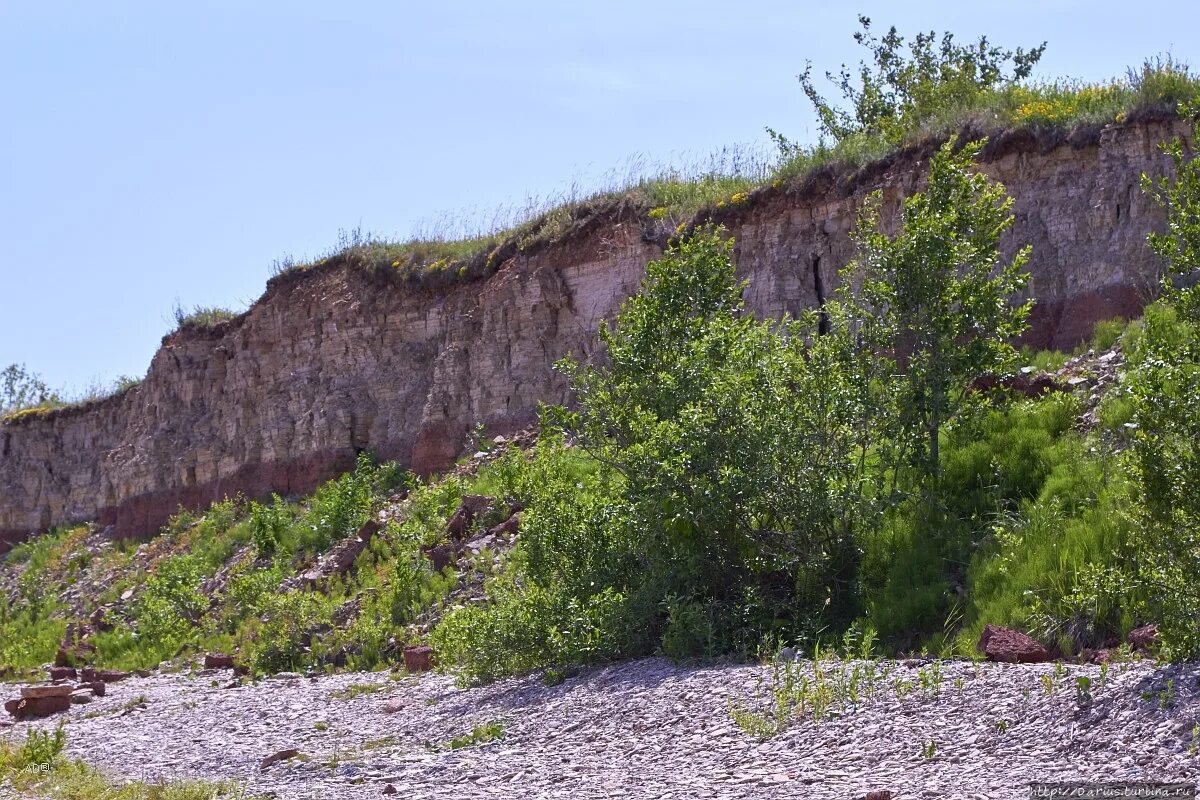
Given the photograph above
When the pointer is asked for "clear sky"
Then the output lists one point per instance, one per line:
(159, 153)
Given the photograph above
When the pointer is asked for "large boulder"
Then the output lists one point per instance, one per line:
(49, 690)
(418, 658)
(1011, 646)
(218, 661)
(28, 707)
(1144, 638)
(470, 507)
(63, 673)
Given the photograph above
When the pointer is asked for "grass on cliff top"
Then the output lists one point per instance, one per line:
(198, 318)
(666, 198)
(201, 317)
(91, 393)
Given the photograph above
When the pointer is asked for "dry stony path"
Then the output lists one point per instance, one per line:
(646, 729)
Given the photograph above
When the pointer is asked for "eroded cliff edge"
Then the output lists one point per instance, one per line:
(336, 360)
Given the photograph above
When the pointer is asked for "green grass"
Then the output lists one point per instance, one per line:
(38, 768)
(480, 734)
(358, 690)
(201, 317)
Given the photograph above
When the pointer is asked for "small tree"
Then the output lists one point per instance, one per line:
(939, 297)
(20, 388)
(897, 92)
(742, 443)
(1165, 386)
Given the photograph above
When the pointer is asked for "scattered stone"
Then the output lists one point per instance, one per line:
(1011, 646)
(879, 794)
(1144, 638)
(338, 560)
(100, 621)
(275, 758)
(672, 720)
(464, 516)
(510, 526)
(127, 594)
(98, 688)
(75, 647)
(389, 789)
(42, 706)
(82, 697)
(418, 658)
(440, 556)
(218, 661)
(63, 673)
(53, 690)
(1024, 384)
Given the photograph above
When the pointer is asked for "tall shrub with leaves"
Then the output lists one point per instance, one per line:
(20, 388)
(896, 92)
(730, 455)
(1165, 386)
(937, 299)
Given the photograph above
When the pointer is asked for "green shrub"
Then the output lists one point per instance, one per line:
(171, 605)
(522, 630)
(268, 524)
(201, 317)
(919, 564)
(1106, 333)
(284, 638)
(899, 92)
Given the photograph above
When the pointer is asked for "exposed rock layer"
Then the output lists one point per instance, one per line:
(336, 360)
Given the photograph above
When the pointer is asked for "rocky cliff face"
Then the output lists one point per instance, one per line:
(335, 360)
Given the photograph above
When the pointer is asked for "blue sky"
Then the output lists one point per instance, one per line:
(161, 153)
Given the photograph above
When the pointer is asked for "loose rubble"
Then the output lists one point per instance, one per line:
(646, 728)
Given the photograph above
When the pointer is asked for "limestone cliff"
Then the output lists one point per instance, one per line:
(335, 359)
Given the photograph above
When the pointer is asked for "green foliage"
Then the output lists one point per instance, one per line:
(898, 92)
(814, 690)
(170, 606)
(268, 524)
(283, 639)
(1106, 333)
(201, 317)
(480, 734)
(941, 294)
(1164, 384)
(40, 752)
(719, 494)
(1031, 528)
(336, 510)
(20, 389)
(38, 769)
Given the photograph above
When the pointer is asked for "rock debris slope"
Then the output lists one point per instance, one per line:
(649, 729)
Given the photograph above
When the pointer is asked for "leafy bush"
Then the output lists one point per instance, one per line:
(201, 317)
(20, 388)
(283, 639)
(898, 92)
(1164, 384)
(268, 524)
(715, 496)
(171, 604)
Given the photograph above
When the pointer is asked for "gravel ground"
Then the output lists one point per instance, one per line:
(647, 729)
